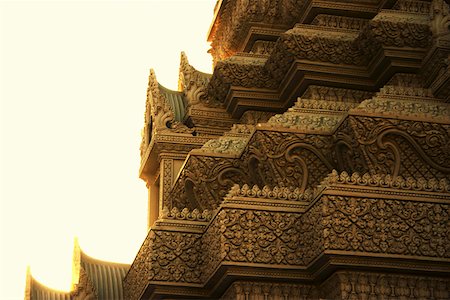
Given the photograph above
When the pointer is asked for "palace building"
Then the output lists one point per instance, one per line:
(313, 163)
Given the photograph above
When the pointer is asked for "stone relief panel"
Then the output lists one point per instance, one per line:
(386, 226)
(368, 285)
(244, 290)
(205, 181)
(136, 280)
(288, 160)
(400, 147)
(174, 256)
(260, 237)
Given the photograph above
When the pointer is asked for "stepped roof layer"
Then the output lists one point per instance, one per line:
(105, 276)
(37, 291)
(91, 279)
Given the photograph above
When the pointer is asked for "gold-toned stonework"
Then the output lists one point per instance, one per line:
(313, 163)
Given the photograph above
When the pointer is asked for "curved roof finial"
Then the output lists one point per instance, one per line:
(76, 263)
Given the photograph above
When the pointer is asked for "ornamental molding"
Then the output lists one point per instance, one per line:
(405, 102)
(399, 16)
(365, 285)
(388, 181)
(335, 94)
(414, 6)
(186, 214)
(262, 47)
(228, 145)
(339, 22)
(324, 123)
(275, 193)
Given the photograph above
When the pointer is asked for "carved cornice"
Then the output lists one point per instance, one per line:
(335, 94)
(167, 143)
(311, 116)
(305, 122)
(414, 6)
(346, 23)
(388, 181)
(228, 145)
(244, 70)
(401, 29)
(277, 193)
(410, 103)
(331, 45)
(186, 214)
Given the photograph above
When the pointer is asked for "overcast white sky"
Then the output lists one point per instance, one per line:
(73, 86)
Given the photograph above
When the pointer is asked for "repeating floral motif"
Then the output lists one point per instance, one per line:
(413, 6)
(368, 285)
(386, 226)
(388, 181)
(136, 279)
(288, 165)
(332, 94)
(339, 22)
(391, 28)
(346, 286)
(245, 235)
(261, 237)
(322, 46)
(174, 256)
(242, 290)
(292, 194)
(186, 214)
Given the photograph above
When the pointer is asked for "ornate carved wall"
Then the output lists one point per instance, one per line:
(316, 157)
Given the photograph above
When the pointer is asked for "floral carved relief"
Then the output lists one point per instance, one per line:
(288, 160)
(393, 146)
(386, 226)
(260, 237)
(205, 181)
(368, 285)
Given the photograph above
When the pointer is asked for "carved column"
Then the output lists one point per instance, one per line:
(165, 180)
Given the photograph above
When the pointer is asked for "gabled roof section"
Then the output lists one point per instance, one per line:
(35, 290)
(165, 106)
(175, 100)
(105, 277)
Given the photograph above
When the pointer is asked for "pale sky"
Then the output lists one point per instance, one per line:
(73, 81)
